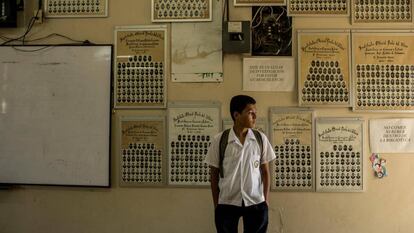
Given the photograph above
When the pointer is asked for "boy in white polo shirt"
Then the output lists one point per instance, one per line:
(240, 177)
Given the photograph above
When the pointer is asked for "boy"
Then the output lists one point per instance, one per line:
(240, 177)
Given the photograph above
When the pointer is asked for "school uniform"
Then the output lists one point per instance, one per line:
(241, 187)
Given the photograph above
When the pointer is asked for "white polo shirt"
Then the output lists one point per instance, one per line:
(241, 166)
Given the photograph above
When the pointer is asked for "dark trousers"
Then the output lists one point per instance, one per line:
(255, 218)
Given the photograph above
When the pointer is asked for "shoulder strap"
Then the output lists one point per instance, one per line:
(259, 139)
(222, 149)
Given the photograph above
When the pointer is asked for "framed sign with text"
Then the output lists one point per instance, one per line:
(191, 126)
(339, 154)
(142, 151)
(140, 67)
(383, 70)
(324, 68)
(291, 138)
(274, 74)
(395, 135)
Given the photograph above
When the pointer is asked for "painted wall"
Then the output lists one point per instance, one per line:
(386, 205)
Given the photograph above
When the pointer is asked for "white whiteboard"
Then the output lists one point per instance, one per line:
(55, 115)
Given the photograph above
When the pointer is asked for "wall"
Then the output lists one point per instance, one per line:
(386, 205)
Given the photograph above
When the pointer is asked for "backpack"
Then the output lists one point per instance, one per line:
(223, 144)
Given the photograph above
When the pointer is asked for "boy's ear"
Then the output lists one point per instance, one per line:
(235, 115)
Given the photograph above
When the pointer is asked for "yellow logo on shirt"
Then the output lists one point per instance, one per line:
(256, 163)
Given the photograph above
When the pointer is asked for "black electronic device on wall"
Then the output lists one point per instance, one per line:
(8, 13)
(236, 37)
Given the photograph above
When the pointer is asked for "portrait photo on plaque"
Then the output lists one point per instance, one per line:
(271, 31)
(339, 154)
(324, 68)
(291, 138)
(141, 66)
(191, 127)
(309, 8)
(142, 151)
(383, 71)
(271, 74)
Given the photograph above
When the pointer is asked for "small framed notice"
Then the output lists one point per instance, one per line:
(268, 74)
(391, 135)
(339, 153)
(142, 151)
(291, 138)
(191, 126)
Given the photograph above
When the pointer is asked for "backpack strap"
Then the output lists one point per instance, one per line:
(222, 149)
(259, 140)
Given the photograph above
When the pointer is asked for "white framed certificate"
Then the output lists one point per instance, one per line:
(395, 135)
(273, 74)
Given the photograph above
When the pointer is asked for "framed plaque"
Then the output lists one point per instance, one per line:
(339, 153)
(142, 151)
(181, 10)
(191, 126)
(308, 8)
(74, 9)
(141, 67)
(383, 70)
(291, 138)
(324, 68)
(259, 2)
(383, 12)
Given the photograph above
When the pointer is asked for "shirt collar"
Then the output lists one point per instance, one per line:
(234, 138)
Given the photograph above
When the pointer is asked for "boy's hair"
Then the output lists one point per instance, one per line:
(239, 102)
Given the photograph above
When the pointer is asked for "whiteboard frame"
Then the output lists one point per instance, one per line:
(107, 183)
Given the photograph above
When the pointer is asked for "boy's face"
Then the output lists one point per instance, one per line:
(247, 118)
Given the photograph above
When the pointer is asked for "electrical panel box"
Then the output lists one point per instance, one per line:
(236, 36)
(8, 13)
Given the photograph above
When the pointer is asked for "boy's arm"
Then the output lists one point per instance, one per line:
(264, 169)
(214, 179)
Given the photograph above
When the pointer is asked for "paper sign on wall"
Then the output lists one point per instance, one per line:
(268, 74)
(391, 135)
